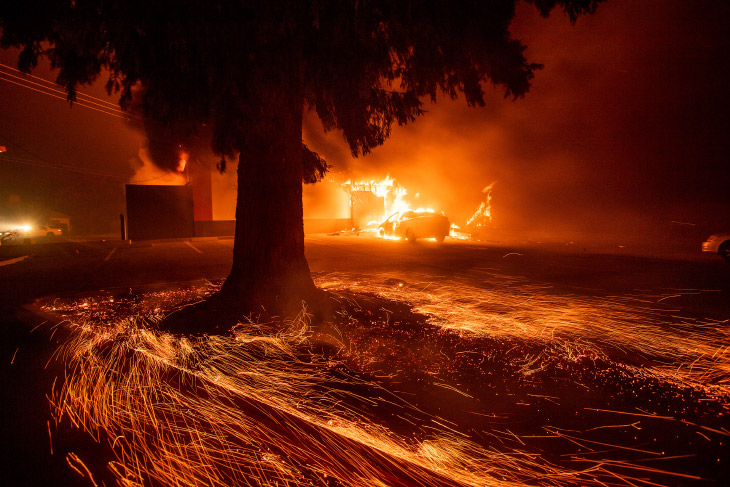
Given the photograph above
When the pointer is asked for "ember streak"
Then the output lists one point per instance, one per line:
(502, 384)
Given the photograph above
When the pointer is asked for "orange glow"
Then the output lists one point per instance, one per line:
(148, 173)
(483, 215)
(251, 407)
(392, 193)
(182, 161)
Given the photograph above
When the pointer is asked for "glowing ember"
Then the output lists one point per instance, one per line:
(501, 384)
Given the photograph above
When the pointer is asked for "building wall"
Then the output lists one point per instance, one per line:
(155, 212)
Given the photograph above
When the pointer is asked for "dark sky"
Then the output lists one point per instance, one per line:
(625, 130)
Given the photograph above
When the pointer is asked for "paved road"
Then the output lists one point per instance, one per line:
(39, 270)
(697, 284)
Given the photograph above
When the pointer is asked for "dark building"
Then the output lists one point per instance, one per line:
(156, 211)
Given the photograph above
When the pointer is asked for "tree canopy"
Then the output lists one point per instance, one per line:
(244, 71)
(362, 64)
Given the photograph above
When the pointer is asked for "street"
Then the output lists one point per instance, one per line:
(701, 283)
(588, 366)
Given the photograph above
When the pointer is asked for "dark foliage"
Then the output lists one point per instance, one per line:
(364, 65)
(242, 72)
(315, 167)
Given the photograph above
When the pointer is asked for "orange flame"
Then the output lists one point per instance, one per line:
(182, 161)
(148, 173)
(393, 194)
(483, 216)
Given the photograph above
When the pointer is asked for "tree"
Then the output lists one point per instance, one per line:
(246, 70)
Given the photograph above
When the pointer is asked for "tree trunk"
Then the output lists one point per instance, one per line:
(269, 268)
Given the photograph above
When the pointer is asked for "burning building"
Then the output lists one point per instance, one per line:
(371, 202)
(188, 201)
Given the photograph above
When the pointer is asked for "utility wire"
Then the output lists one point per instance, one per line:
(62, 98)
(52, 86)
(29, 162)
(53, 91)
(27, 84)
(41, 162)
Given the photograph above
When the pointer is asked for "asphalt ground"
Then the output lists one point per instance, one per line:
(31, 271)
(31, 445)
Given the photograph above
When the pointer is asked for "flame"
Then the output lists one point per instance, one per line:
(149, 173)
(483, 216)
(182, 161)
(395, 199)
(393, 194)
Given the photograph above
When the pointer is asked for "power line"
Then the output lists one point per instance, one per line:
(53, 91)
(41, 162)
(19, 160)
(99, 105)
(106, 112)
(63, 98)
(27, 84)
(29, 162)
(54, 86)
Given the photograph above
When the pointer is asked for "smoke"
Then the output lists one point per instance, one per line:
(146, 171)
(163, 147)
(166, 148)
(621, 135)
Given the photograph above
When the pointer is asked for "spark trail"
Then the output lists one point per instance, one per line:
(359, 401)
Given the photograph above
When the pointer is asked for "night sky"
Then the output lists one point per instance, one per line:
(625, 131)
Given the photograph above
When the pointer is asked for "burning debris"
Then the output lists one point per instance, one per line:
(483, 216)
(371, 202)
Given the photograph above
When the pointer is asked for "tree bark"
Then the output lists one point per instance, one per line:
(270, 272)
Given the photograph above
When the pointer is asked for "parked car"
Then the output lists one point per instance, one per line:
(412, 225)
(40, 230)
(718, 243)
(7, 235)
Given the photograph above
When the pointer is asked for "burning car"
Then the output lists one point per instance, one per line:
(415, 224)
(718, 243)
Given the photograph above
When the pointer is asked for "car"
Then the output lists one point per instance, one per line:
(39, 230)
(415, 224)
(7, 235)
(718, 243)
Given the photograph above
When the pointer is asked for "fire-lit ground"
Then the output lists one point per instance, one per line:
(518, 367)
(505, 383)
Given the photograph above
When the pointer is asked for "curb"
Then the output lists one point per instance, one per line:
(12, 261)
